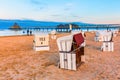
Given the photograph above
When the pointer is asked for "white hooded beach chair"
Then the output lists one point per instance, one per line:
(106, 37)
(69, 55)
(66, 58)
(41, 42)
(53, 34)
(103, 36)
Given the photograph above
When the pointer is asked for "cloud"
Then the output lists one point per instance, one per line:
(38, 5)
(41, 7)
(36, 2)
(69, 4)
(67, 9)
(56, 15)
(76, 16)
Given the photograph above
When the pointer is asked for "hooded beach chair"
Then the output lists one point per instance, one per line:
(70, 51)
(53, 34)
(103, 36)
(106, 38)
(41, 42)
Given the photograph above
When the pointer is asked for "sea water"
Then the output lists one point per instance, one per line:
(20, 32)
(8, 32)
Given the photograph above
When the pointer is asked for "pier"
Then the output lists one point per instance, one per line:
(81, 27)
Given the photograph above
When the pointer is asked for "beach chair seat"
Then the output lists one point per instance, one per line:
(80, 43)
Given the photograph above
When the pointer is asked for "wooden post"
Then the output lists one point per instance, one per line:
(70, 27)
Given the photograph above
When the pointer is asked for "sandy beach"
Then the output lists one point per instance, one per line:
(18, 61)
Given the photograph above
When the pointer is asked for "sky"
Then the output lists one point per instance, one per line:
(88, 11)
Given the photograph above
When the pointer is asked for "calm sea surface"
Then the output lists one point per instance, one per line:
(8, 32)
(19, 32)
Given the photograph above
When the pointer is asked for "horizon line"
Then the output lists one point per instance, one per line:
(59, 21)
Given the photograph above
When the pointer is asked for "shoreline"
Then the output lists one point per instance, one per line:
(20, 33)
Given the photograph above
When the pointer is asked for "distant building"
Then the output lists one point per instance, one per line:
(15, 27)
(69, 27)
